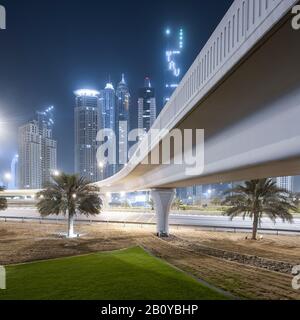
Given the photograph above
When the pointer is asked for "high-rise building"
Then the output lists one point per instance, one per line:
(87, 124)
(108, 112)
(45, 122)
(13, 184)
(109, 106)
(122, 117)
(146, 106)
(37, 151)
(173, 56)
(285, 183)
(30, 153)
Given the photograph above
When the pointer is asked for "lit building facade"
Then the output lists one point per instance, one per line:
(37, 151)
(87, 123)
(30, 153)
(146, 106)
(45, 120)
(122, 117)
(13, 184)
(173, 61)
(109, 116)
(285, 183)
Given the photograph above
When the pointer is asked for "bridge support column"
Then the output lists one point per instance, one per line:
(105, 201)
(162, 199)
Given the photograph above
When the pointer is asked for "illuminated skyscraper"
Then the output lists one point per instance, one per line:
(37, 151)
(108, 111)
(108, 106)
(13, 184)
(173, 60)
(146, 106)
(30, 153)
(87, 123)
(45, 120)
(285, 183)
(122, 117)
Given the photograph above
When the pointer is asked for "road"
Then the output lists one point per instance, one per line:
(175, 219)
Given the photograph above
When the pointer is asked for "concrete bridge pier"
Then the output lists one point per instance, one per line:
(163, 199)
(105, 201)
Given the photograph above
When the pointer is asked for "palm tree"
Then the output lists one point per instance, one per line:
(3, 201)
(177, 204)
(69, 194)
(258, 197)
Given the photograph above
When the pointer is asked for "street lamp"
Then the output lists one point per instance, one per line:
(56, 173)
(7, 176)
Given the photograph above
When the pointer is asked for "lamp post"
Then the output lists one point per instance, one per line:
(7, 179)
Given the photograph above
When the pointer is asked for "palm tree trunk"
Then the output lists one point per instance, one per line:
(255, 225)
(70, 225)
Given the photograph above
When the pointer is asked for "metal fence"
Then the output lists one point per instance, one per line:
(234, 229)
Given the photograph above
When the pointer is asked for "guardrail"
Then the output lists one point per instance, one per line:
(141, 224)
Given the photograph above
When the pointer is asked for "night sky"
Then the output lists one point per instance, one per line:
(53, 47)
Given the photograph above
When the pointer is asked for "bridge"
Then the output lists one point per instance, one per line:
(243, 89)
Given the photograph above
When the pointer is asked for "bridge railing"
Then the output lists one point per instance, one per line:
(244, 19)
(243, 26)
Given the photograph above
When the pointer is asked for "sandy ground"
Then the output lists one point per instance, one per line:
(248, 269)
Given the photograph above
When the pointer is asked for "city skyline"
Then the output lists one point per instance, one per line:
(164, 86)
(37, 84)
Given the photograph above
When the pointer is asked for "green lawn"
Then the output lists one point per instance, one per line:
(126, 274)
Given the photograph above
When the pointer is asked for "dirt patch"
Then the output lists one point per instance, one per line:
(251, 270)
(247, 259)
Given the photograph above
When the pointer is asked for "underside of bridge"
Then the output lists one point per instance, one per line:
(251, 121)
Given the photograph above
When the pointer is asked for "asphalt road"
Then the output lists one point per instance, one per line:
(175, 219)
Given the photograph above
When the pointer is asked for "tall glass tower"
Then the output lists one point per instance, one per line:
(146, 106)
(109, 116)
(87, 123)
(122, 117)
(14, 173)
(45, 120)
(173, 61)
(37, 151)
(285, 183)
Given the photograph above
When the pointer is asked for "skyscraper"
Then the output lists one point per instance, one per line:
(285, 183)
(108, 112)
(45, 122)
(87, 123)
(30, 153)
(146, 106)
(122, 115)
(173, 56)
(13, 184)
(37, 151)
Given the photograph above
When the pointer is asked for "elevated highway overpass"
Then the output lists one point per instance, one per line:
(243, 89)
